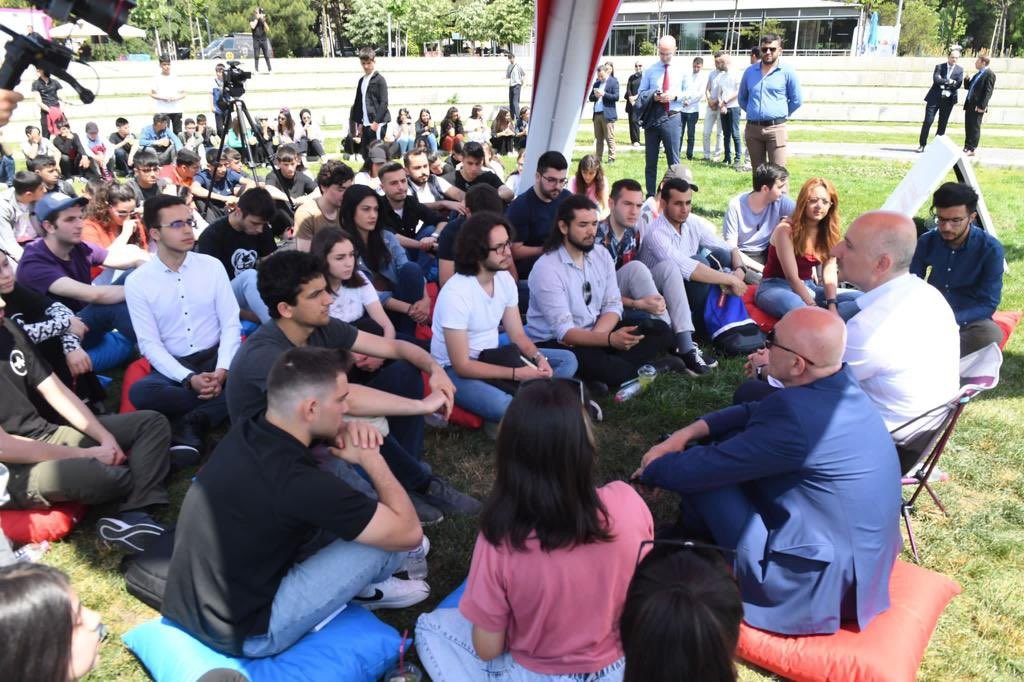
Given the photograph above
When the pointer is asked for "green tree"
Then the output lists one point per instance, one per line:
(920, 33)
(471, 19)
(426, 21)
(510, 21)
(951, 24)
(365, 24)
(291, 25)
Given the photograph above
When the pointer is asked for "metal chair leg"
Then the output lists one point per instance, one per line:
(905, 511)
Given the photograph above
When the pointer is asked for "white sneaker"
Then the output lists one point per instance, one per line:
(393, 593)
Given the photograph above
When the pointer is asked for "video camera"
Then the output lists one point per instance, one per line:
(24, 51)
(234, 80)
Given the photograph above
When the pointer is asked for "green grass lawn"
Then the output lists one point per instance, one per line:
(981, 634)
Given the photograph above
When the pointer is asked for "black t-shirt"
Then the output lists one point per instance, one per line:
(260, 32)
(118, 138)
(414, 215)
(299, 186)
(236, 250)
(21, 372)
(247, 391)
(485, 178)
(446, 242)
(244, 519)
(533, 220)
(47, 91)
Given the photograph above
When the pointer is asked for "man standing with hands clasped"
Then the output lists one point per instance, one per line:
(660, 101)
(369, 113)
(979, 91)
(941, 97)
(515, 75)
(769, 93)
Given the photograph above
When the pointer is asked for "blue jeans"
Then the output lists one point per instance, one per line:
(403, 447)
(106, 317)
(408, 288)
(6, 169)
(667, 134)
(405, 144)
(248, 295)
(427, 262)
(444, 643)
(731, 129)
(490, 402)
(317, 587)
(775, 297)
(690, 129)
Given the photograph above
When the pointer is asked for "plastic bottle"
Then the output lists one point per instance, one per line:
(31, 553)
(628, 390)
(416, 564)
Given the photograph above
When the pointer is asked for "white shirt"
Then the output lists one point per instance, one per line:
(423, 192)
(363, 178)
(166, 86)
(350, 303)
(364, 83)
(904, 348)
(662, 242)
(695, 92)
(464, 305)
(175, 314)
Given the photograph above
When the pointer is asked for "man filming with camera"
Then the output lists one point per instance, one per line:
(260, 41)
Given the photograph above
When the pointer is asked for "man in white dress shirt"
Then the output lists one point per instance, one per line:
(186, 320)
(904, 344)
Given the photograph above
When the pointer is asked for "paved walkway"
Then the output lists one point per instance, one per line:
(1001, 131)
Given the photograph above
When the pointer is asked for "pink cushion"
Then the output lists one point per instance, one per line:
(890, 648)
(765, 321)
(135, 371)
(36, 525)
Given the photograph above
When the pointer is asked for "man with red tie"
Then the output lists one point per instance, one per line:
(660, 102)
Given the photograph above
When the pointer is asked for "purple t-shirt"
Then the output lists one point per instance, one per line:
(39, 268)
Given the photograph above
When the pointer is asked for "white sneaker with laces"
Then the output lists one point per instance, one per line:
(393, 593)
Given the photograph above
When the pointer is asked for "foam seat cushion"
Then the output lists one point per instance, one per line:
(890, 648)
(135, 371)
(765, 321)
(1007, 321)
(23, 526)
(356, 646)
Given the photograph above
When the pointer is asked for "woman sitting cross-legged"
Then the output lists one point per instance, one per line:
(553, 561)
(801, 245)
(472, 304)
(399, 282)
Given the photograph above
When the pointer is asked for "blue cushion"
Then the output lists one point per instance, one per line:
(452, 600)
(113, 351)
(354, 646)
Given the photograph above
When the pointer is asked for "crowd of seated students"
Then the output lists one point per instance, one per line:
(325, 405)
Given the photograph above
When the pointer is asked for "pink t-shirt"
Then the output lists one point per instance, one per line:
(560, 610)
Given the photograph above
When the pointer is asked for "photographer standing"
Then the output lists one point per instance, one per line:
(260, 41)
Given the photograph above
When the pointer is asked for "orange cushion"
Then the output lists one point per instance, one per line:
(1007, 321)
(132, 373)
(36, 525)
(765, 321)
(459, 416)
(890, 648)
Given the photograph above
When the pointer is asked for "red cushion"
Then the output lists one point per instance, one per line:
(1007, 321)
(890, 648)
(765, 321)
(459, 416)
(132, 373)
(36, 525)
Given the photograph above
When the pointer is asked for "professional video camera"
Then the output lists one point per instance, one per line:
(234, 81)
(24, 51)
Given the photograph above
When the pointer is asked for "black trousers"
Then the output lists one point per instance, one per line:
(513, 100)
(634, 127)
(175, 123)
(261, 45)
(943, 110)
(614, 367)
(972, 122)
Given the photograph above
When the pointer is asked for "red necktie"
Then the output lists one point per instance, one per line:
(664, 86)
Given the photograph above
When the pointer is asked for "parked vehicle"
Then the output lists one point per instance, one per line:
(235, 46)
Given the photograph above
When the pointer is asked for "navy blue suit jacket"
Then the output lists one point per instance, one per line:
(611, 96)
(810, 485)
(939, 78)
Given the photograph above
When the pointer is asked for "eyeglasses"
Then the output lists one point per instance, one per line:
(953, 222)
(769, 49)
(588, 293)
(819, 202)
(124, 214)
(692, 545)
(149, 169)
(179, 224)
(504, 246)
(770, 342)
(555, 181)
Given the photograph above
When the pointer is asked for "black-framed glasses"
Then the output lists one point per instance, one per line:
(953, 222)
(769, 49)
(770, 341)
(555, 181)
(504, 246)
(179, 224)
(588, 293)
(692, 545)
(149, 169)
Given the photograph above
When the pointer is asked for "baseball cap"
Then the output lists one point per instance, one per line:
(680, 171)
(378, 155)
(53, 203)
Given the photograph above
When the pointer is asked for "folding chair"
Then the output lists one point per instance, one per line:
(921, 441)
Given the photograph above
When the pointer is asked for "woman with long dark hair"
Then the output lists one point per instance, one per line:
(355, 299)
(589, 181)
(111, 207)
(49, 636)
(426, 131)
(503, 132)
(800, 269)
(682, 617)
(451, 129)
(553, 560)
(285, 127)
(311, 140)
(398, 281)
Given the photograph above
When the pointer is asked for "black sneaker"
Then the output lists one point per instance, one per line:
(427, 513)
(669, 363)
(443, 495)
(695, 363)
(131, 534)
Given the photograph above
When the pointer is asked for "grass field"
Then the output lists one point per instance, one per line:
(981, 634)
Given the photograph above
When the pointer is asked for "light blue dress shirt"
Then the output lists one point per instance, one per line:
(776, 95)
(678, 78)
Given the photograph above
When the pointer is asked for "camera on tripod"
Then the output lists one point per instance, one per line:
(234, 80)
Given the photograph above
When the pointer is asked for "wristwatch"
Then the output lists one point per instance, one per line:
(831, 301)
(187, 381)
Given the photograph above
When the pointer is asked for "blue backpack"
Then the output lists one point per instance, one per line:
(728, 324)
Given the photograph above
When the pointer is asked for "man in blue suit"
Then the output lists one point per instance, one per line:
(941, 97)
(660, 102)
(604, 95)
(804, 485)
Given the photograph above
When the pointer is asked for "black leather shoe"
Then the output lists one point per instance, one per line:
(190, 432)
